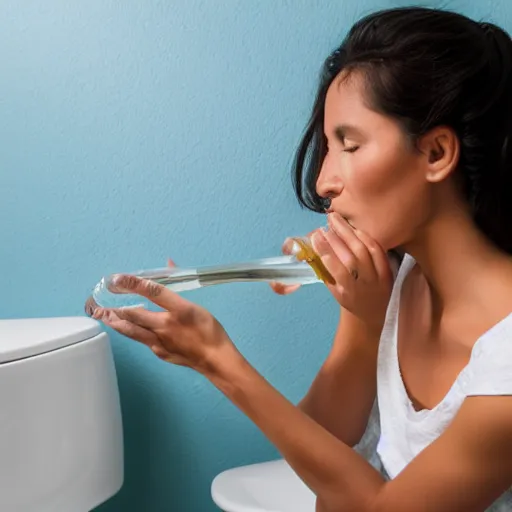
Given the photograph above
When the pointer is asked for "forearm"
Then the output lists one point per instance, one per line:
(341, 398)
(332, 470)
(344, 390)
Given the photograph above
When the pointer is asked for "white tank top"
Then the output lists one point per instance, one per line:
(404, 432)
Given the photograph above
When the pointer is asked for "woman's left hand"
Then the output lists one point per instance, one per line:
(184, 334)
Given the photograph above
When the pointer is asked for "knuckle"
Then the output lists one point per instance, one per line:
(159, 351)
(349, 262)
(341, 293)
(187, 314)
(359, 250)
(372, 246)
(168, 322)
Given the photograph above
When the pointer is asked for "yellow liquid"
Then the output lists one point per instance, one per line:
(307, 254)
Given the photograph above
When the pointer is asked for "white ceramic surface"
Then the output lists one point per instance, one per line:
(61, 440)
(266, 487)
(33, 336)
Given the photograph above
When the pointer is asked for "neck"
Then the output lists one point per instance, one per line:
(451, 252)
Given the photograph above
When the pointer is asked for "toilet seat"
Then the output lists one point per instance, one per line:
(265, 487)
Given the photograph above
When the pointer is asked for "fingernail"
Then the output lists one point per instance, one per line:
(287, 245)
(90, 306)
(316, 240)
(295, 248)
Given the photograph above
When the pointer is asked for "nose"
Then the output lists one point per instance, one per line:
(329, 183)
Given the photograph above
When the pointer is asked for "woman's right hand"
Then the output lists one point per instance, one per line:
(360, 267)
(361, 270)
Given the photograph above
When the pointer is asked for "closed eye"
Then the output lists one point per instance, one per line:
(352, 149)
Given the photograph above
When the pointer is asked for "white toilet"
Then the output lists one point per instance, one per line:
(61, 439)
(266, 487)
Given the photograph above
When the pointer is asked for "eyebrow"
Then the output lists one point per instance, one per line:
(344, 130)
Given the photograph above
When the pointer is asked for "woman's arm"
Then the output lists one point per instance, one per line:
(465, 469)
(320, 459)
(343, 392)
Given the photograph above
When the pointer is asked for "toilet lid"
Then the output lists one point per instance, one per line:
(34, 336)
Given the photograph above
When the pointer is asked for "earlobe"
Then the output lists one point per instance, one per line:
(441, 148)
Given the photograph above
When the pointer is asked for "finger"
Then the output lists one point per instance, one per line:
(345, 255)
(284, 289)
(378, 255)
(150, 320)
(332, 263)
(90, 306)
(340, 249)
(287, 247)
(160, 352)
(155, 292)
(341, 228)
(126, 328)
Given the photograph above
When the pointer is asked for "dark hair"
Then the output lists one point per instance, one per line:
(426, 68)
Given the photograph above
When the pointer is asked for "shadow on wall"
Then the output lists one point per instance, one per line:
(169, 467)
(144, 418)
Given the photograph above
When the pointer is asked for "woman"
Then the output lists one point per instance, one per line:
(408, 150)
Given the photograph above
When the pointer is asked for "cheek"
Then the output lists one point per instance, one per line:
(378, 174)
(391, 194)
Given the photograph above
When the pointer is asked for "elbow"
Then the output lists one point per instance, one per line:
(324, 504)
(336, 502)
(362, 500)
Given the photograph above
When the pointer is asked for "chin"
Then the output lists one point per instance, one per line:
(381, 237)
(384, 241)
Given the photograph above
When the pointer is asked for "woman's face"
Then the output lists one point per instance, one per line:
(372, 173)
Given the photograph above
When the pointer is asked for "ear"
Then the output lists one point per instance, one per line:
(441, 149)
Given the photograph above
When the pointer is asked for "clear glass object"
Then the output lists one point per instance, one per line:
(302, 267)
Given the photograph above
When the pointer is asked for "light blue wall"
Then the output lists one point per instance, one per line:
(134, 131)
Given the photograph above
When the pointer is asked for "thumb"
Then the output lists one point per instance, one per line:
(283, 289)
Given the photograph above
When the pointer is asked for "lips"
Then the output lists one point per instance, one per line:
(347, 220)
